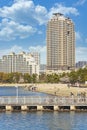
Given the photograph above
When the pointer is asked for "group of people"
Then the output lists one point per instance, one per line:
(79, 94)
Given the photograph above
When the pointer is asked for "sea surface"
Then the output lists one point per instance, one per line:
(12, 91)
(40, 120)
(43, 121)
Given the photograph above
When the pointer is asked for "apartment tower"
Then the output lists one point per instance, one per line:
(60, 43)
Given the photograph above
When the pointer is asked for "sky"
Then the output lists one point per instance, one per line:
(23, 25)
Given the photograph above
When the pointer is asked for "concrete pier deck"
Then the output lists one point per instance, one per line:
(42, 103)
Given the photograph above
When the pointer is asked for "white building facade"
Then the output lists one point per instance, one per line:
(22, 63)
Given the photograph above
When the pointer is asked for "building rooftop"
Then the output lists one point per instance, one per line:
(57, 14)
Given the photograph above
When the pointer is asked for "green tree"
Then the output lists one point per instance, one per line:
(42, 78)
(27, 78)
(11, 77)
(1, 76)
(17, 77)
(52, 78)
(73, 77)
(34, 78)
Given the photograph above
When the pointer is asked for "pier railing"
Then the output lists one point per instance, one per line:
(45, 101)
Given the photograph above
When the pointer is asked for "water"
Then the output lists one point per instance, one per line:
(39, 120)
(12, 91)
(43, 121)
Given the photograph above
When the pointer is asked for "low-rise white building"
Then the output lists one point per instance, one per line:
(22, 63)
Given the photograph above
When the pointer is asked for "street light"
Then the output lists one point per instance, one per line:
(17, 92)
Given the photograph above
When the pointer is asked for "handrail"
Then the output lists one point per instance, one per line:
(48, 100)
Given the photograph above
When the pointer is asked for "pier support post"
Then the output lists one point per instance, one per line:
(24, 108)
(39, 108)
(9, 108)
(56, 108)
(72, 108)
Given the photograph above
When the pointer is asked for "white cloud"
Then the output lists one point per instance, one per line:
(14, 48)
(18, 21)
(78, 36)
(64, 10)
(41, 14)
(9, 30)
(80, 2)
(86, 40)
(24, 11)
(38, 48)
(23, 16)
(40, 32)
(81, 53)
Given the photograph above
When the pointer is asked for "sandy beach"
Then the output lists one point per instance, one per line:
(60, 89)
(55, 89)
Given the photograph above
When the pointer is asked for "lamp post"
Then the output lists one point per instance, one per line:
(16, 93)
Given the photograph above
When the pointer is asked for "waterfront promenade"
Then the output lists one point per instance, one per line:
(41, 103)
(60, 96)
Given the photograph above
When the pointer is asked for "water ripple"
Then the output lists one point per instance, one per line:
(43, 121)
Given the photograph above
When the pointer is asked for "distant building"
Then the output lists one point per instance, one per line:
(60, 43)
(81, 64)
(42, 68)
(22, 63)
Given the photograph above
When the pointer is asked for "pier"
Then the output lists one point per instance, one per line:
(28, 103)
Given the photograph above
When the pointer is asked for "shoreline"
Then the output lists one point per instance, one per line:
(14, 84)
(48, 88)
(61, 90)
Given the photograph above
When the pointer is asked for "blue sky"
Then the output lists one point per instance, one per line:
(23, 24)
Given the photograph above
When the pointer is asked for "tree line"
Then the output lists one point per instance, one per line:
(17, 78)
(72, 77)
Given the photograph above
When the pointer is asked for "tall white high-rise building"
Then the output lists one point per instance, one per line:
(22, 63)
(60, 43)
